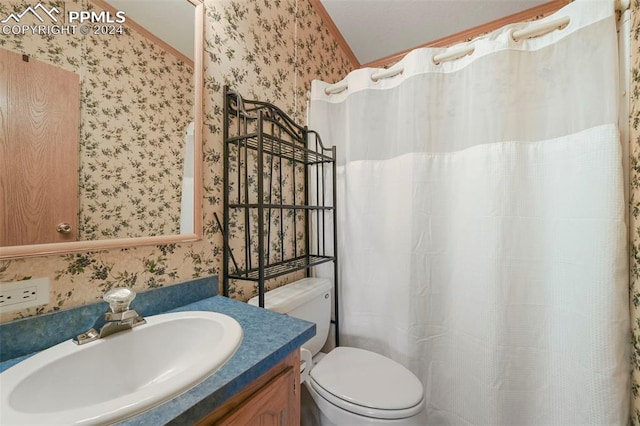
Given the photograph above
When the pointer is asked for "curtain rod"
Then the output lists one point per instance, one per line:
(535, 29)
(541, 29)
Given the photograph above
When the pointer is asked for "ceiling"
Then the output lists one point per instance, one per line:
(374, 29)
(172, 21)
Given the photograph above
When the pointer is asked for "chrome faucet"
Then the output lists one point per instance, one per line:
(118, 318)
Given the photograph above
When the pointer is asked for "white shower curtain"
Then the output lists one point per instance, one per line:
(481, 223)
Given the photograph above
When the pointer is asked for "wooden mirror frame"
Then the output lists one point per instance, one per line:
(14, 252)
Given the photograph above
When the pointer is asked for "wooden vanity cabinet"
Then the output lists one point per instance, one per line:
(273, 399)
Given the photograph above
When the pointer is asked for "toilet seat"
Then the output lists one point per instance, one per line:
(367, 384)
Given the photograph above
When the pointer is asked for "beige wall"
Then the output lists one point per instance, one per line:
(267, 50)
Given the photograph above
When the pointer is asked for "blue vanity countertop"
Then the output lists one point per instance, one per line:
(268, 338)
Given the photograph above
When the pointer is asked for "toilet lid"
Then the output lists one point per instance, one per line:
(367, 379)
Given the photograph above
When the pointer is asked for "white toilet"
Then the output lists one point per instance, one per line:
(350, 386)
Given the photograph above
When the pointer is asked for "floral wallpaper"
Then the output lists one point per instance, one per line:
(136, 103)
(634, 210)
(265, 49)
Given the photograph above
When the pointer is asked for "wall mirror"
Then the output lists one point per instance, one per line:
(101, 141)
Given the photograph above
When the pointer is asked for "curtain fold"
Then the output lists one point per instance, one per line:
(481, 223)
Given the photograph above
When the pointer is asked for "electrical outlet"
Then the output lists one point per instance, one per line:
(18, 295)
(24, 294)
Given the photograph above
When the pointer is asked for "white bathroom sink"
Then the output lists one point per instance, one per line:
(118, 376)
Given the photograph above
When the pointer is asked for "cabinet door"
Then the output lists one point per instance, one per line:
(269, 406)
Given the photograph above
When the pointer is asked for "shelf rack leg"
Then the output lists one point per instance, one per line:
(335, 249)
(261, 262)
(225, 197)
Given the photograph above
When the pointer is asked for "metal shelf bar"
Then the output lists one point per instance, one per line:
(295, 213)
(317, 200)
(247, 218)
(270, 202)
(282, 268)
(280, 140)
(287, 149)
(225, 201)
(279, 206)
(336, 293)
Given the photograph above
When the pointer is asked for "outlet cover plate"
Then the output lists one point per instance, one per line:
(19, 295)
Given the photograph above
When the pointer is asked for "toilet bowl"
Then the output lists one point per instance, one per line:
(353, 386)
(350, 386)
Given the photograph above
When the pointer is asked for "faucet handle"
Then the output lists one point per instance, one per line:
(119, 299)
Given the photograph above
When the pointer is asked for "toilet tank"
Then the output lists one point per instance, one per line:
(308, 299)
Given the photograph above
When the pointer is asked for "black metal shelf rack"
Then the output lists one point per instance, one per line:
(279, 197)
